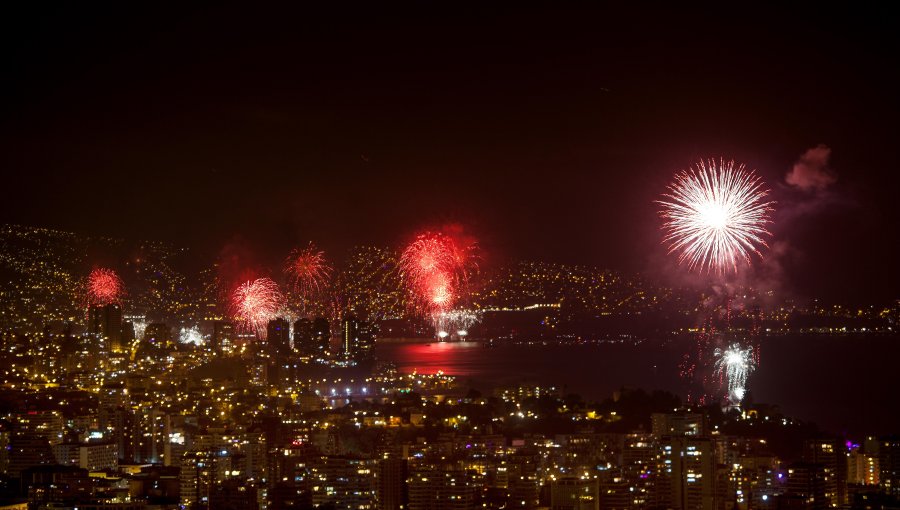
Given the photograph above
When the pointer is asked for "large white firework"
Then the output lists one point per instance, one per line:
(715, 215)
(735, 364)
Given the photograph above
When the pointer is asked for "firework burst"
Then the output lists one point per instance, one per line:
(307, 271)
(735, 364)
(140, 326)
(436, 269)
(456, 322)
(104, 287)
(191, 336)
(715, 215)
(254, 303)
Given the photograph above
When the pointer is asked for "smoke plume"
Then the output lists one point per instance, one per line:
(811, 172)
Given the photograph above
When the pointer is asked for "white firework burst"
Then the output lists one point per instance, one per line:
(455, 322)
(735, 364)
(191, 336)
(715, 216)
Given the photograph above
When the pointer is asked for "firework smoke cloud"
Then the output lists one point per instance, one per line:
(811, 172)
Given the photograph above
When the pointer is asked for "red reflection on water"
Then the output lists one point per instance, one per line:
(453, 358)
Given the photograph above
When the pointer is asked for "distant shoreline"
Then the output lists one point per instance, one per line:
(408, 340)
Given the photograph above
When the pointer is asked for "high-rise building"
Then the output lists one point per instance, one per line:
(575, 494)
(357, 338)
(120, 421)
(863, 467)
(199, 473)
(128, 334)
(5, 435)
(522, 480)
(235, 493)
(47, 424)
(322, 334)
(392, 473)
(686, 473)
(278, 336)
(806, 486)
(616, 493)
(750, 482)
(349, 336)
(91, 456)
(152, 426)
(105, 322)
(366, 343)
(678, 424)
(345, 482)
(832, 455)
(223, 335)
(889, 464)
(304, 343)
(443, 486)
(439, 486)
(286, 495)
(258, 369)
(639, 451)
(158, 335)
(28, 450)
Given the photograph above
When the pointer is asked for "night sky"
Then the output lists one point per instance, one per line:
(546, 132)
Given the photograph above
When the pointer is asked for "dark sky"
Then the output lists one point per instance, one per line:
(545, 131)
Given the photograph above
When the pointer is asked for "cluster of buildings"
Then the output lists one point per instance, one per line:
(158, 429)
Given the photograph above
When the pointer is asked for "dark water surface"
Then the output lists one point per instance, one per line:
(845, 384)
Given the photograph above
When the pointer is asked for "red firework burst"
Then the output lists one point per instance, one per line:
(307, 270)
(435, 267)
(254, 303)
(104, 287)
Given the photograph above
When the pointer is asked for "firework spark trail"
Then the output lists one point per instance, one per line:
(140, 326)
(308, 272)
(692, 364)
(735, 364)
(436, 267)
(287, 314)
(715, 215)
(104, 287)
(254, 303)
(191, 336)
(440, 290)
(455, 322)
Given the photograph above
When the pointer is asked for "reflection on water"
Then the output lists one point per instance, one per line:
(594, 371)
(842, 383)
(458, 358)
